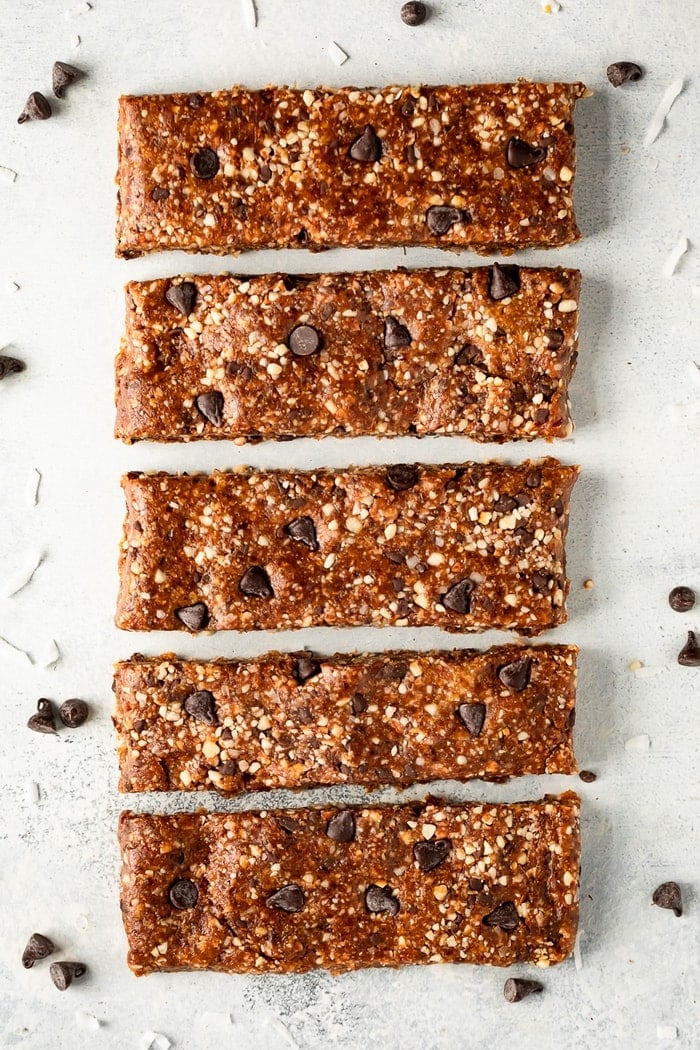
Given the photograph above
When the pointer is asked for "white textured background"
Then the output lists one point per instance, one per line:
(634, 530)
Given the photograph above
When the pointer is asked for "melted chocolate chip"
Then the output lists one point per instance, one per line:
(44, 720)
(304, 340)
(255, 583)
(341, 826)
(10, 366)
(682, 599)
(441, 218)
(504, 281)
(211, 406)
(505, 917)
(516, 675)
(204, 163)
(402, 476)
(554, 337)
(195, 617)
(619, 73)
(62, 77)
(473, 716)
(521, 154)
(182, 296)
(689, 656)
(458, 597)
(37, 107)
(413, 13)
(304, 531)
(380, 900)
(358, 703)
(396, 334)
(201, 706)
(668, 895)
(183, 894)
(289, 898)
(367, 147)
(430, 855)
(73, 713)
(517, 988)
(64, 973)
(38, 947)
(306, 668)
(587, 776)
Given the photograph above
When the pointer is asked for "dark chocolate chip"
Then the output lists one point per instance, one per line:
(619, 73)
(306, 668)
(10, 366)
(381, 900)
(183, 894)
(396, 334)
(159, 193)
(73, 713)
(182, 296)
(228, 768)
(516, 675)
(211, 406)
(682, 599)
(402, 476)
(689, 656)
(44, 720)
(255, 583)
(204, 163)
(442, 217)
(517, 988)
(304, 340)
(304, 531)
(63, 76)
(201, 706)
(289, 898)
(534, 479)
(475, 884)
(668, 895)
(473, 717)
(430, 855)
(504, 281)
(521, 154)
(554, 337)
(587, 776)
(414, 13)
(38, 947)
(504, 505)
(505, 917)
(367, 146)
(37, 107)
(458, 597)
(358, 703)
(64, 973)
(469, 355)
(287, 823)
(408, 108)
(341, 826)
(194, 617)
(265, 173)
(244, 373)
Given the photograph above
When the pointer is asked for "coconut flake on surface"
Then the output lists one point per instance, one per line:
(14, 653)
(250, 14)
(638, 743)
(666, 1031)
(31, 491)
(336, 53)
(76, 10)
(32, 792)
(75, 41)
(662, 110)
(51, 655)
(88, 1022)
(674, 257)
(154, 1041)
(7, 174)
(21, 577)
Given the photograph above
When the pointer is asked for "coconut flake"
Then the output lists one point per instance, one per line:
(14, 653)
(250, 14)
(75, 41)
(215, 1021)
(76, 10)
(638, 743)
(21, 577)
(7, 174)
(662, 110)
(154, 1041)
(32, 792)
(31, 489)
(336, 53)
(578, 959)
(88, 1022)
(666, 1031)
(51, 655)
(669, 267)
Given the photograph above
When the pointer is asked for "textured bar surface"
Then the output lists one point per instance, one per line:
(297, 720)
(488, 167)
(460, 547)
(274, 892)
(399, 352)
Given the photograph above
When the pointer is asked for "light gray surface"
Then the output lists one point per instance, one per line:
(634, 528)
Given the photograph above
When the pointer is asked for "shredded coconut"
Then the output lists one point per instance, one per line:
(669, 267)
(75, 41)
(21, 577)
(662, 110)
(31, 491)
(336, 53)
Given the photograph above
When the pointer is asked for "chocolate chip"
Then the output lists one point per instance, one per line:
(682, 599)
(469, 355)
(534, 479)
(586, 776)
(689, 656)
(304, 531)
(521, 154)
(287, 823)
(430, 855)
(396, 334)
(244, 372)
(554, 337)
(358, 703)
(159, 193)
(306, 668)
(255, 583)
(380, 900)
(408, 108)
(442, 217)
(228, 768)
(211, 406)
(73, 713)
(402, 476)
(505, 917)
(619, 73)
(289, 898)
(341, 826)
(304, 340)
(201, 706)
(62, 77)
(64, 973)
(37, 107)
(265, 173)
(516, 675)
(10, 366)
(194, 617)
(38, 947)
(473, 717)
(475, 884)
(414, 13)
(204, 163)
(504, 504)
(458, 597)
(183, 894)
(182, 296)
(44, 720)
(504, 281)
(367, 146)
(668, 895)
(517, 988)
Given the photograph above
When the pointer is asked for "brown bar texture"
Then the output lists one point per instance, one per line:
(383, 353)
(291, 891)
(488, 167)
(295, 720)
(460, 547)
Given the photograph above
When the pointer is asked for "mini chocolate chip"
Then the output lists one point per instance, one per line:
(473, 717)
(63, 76)
(37, 107)
(517, 988)
(341, 826)
(304, 340)
(408, 108)
(505, 504)
(38, 947)
(182, 296)
(10, 366)
(64, 973)
(211, 406)
(587, 776)
(255, 583)
(534, 479)
(287, 823)
(306, 668)
(397, 584)
(73, 713)
(289, 898)
(304, 531)
(475, 884)
(504, 281)
(44, 720)
(558, 507)
(204, 163)
(458, 597)
(430, 855)
(228, 768)
(668, 895)
(367, 146)
(554, 337)
(689, 656)
(505, 917)
(414, 13)
(469, 355)
(244, 372)
(442, 217)
(183, 894)
(381, 900)
(619, 73)
(159, 193)
(682, 599)
(516, 675)
(521, 154)
(201, 706)
(396, 334)
(265, 173)
(358, 703)
(195, 617)
(402, 476)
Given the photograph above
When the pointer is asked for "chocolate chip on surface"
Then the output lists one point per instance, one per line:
(304, 531)
(306, 668)
(37, 107)
(442, 217)
(458, 597)
(520, 154)
(44, 720)
(204, 163)
(587, 776)
(182, 296)
(255, 583)
(473, 716)
(202, 706)
(64, 973)
(10, 366)
(430, 855)
(517, 988)
(668, 895)
(414, 13)
(682, 599)
(367, 147)
(73, 713)
(505, 917)
(689, 656)
(289, 898)
(402, 476)
(211, 406)
(62, 76)
(341, 826)
(516, 675)
(396, 335)
(619, 73)
(194, 617)
(38, 947)
(504, 281)
(183, 894)
(380, 900)
(304, 340)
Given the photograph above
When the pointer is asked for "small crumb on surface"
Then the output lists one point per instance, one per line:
(638, 743)
(7, 174)
(21, 576)
(336, 53)
(662, 110)
(550, 7)
(666, 1031)
(674, 257)
(31, 491)
(76, 10)
(636, 665)
(588, 585)
(32, 792)
(13, 652)
(88, 1022)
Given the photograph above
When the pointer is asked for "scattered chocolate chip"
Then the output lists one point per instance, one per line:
(63, 76)
(668, 895)
(475, 884)
(587, 776)
(183, 894)
(44, 720)
(521, 154)
(182, 296)
(414, 13)
(504, 281)
(396, 334)
(194, 617)
(306, 668)
(358, 703)
(289, 898)
(430, 855)
(367, 146)
(265, 173)
(304, 340)
(516, 675)
(517, 988)
(341, 826)
(211, 406)
(64, 973)
(402, 476)
(554, 337)
(682, 599)
(159, 193)
(619, 73)
(73, 713)
(442, 217)
(38, 947)
(689, 656)
(473, 717)
(458, 597)
(303, 530)
(37, 107)
(381, 900)
(505, 917)
(204, 163)
(201, 706)
(10, 366)
(255, 583)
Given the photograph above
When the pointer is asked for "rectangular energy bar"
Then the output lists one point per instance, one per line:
(384, 353)
(291, 891)
(464, 548)
(488, 167)
(297, 720)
